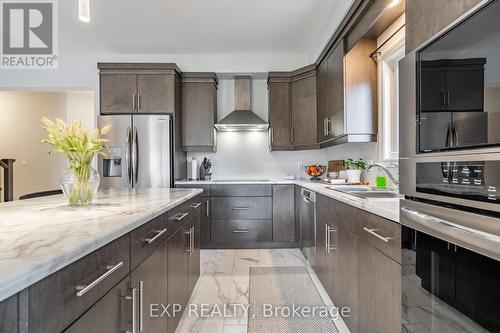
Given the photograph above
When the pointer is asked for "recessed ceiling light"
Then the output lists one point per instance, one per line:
(393, 3)
(84, 10)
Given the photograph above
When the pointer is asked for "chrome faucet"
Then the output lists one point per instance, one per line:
(383, 167)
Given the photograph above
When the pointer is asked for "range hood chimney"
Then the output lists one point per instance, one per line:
(242, 118)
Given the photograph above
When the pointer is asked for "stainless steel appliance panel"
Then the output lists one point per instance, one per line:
(407, 106)
(151, 154)
(308, 225)
(450, 276)
(115, 169)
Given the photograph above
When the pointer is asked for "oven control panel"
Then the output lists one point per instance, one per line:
(477, 180)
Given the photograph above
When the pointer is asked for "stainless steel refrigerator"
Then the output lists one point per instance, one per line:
(139, 152)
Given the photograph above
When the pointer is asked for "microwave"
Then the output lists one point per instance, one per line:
(449, 118)
(458, 85)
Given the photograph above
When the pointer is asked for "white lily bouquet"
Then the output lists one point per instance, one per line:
(80, 182)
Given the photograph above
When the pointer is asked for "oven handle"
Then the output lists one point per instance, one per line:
(475, 240)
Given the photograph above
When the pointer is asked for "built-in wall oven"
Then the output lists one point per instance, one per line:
(450, 176)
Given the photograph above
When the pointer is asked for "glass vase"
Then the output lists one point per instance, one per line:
(79, 185)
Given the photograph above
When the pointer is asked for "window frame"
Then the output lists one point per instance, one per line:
(391, 45)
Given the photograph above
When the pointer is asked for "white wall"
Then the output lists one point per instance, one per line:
(80, 106)
(246, 154)
(20, 134)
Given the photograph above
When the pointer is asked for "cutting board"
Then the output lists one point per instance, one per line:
(335, 165)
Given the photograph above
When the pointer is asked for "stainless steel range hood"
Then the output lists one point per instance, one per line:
(242, 118)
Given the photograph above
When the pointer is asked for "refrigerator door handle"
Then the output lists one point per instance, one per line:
(127, 155)
(135, 156)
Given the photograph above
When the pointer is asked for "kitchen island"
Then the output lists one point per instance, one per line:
(51, 253)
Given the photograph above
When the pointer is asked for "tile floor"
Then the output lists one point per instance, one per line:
(225, 279)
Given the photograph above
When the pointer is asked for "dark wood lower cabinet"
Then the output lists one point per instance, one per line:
(112, 313)
(379, 291)
(356, 272)
(194, 255)
(284, 227)
(8, 315)
(177, 283)
(345, 274)
(324, 260)
(150, 281)
(205, 223)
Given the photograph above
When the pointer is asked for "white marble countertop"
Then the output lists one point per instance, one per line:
(387, 208)
(235, 181)
(41, 236)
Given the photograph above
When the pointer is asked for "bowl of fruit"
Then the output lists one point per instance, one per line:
(315, 171)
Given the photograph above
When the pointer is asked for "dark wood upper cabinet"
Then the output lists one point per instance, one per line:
(155, 93)
(8, 315)
(330, 119)
(347, 95)
(425, 18)
(279, 114)
(322, 107)
(199, 111)
(127, 88)
(118, 93)
(336, 95)
(293, 109)
(304, 109)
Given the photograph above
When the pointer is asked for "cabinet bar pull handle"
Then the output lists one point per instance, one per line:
(208, 208)
(128, 152)
(196, 205)
(138, 102)
(134, 309)
(329, 231)
(133, 102)
(158, 234)
(82, 289)
(327, 239)
(189, 233)
(241, 231)
(179, 217)
(141, 306)
(192, 241)
(241, 208)
(373, 233)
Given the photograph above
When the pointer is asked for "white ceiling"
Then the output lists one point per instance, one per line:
(200, 26)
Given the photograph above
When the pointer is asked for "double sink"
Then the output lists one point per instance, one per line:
(367, 192)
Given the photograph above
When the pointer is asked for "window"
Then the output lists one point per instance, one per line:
(391, 51)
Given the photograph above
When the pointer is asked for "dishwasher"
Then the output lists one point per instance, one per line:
(308, 225)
